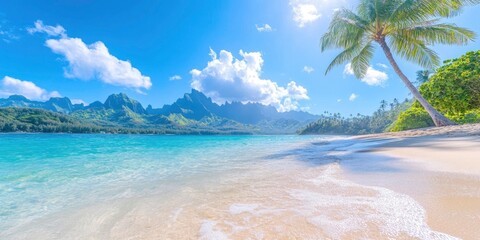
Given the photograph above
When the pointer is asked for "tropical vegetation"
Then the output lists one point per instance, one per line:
(454, 89)
(380, 121)
(403, 27)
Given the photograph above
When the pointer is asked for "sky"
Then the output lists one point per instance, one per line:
(264, 51)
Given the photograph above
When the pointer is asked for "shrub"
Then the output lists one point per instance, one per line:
(411, 119)
(453, 90)
(470, 116)
(455, 87)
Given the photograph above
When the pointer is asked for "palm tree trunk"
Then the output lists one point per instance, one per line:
(436, 116)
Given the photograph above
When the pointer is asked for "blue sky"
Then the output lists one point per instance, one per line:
(155, 51)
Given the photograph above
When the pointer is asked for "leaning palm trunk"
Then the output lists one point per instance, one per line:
(439, 119)
(410, 26)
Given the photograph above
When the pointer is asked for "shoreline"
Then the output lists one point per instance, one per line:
(457, 130)
(438, 167)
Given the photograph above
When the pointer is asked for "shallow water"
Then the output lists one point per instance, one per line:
(204, 187)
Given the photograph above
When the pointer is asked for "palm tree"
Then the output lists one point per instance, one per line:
(395, 101)
(407, 27)
(383, 105)
(423, 76)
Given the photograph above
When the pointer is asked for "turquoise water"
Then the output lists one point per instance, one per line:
(67, 186)
(41, 174)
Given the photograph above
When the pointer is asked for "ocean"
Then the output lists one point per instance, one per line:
(75, 186)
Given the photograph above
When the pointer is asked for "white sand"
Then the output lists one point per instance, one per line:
(440, 168)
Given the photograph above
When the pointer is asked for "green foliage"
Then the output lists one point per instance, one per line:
(179, 120)
(14, 119)
(380, 121)
(471, 116)
(455, 88)
(38, 120)
(411, 119)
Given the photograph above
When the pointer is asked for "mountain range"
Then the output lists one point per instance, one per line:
(193, 113)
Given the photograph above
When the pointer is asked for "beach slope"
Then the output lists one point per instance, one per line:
(439, 168)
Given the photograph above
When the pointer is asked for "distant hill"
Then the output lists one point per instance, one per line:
(193, 113)
(196, 105)
(121, 100)
(56, 104)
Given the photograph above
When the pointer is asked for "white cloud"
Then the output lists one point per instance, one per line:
(339, 100)
(93, 61)
(353, 97)
(53, 31)
(264, 28)
(78, 101)
(309, 11)
(226, 78)
(373, 77)
(382, 65)
(11, 86)
(308, 69)
(175, 78)
(304, 13)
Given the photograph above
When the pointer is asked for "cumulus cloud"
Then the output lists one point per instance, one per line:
(226, 78)
(308, 69)
(373, 77)
(11, 86)
(93, 61)
(175, 78)
(304, 13)
(309, 11)
(53, 31)
(353, 97)
(264, 28)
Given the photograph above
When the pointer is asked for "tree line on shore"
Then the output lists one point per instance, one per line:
(14, 119)
(453, 89)
(381, 120)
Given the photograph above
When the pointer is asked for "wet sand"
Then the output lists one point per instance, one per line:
(439, 168)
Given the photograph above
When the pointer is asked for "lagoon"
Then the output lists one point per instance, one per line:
(67, 186)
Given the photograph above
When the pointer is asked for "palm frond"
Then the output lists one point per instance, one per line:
(347, 55)
(366, 10)
(361, 62)
(414, 50)
(346, 29)
(450, 8)
(409, 12)
(440, 33)
(410, 26)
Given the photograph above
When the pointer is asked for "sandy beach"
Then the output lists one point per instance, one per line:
(439, 168)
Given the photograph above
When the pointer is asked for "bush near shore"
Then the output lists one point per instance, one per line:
(454, 90)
